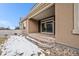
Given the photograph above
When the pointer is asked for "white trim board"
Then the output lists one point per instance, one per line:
(76, 19)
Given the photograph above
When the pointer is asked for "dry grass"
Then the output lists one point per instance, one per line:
(2, 40)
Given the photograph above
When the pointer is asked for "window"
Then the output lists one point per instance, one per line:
(76, 19)
(47, 25)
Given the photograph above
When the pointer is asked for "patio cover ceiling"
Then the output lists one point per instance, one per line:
(45, 13)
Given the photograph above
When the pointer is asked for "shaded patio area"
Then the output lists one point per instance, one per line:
(44, 40)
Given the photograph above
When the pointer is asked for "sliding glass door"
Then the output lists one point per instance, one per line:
(47, 25)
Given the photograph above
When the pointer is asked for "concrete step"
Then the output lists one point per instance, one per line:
(42, 43)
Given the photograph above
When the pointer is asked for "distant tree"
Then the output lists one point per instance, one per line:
(8, 28)
(3, 28)
(16, 28)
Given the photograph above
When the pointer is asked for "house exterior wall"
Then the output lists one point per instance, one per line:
(64, 16)
(24, 24)
(24, 27)
(21, 25)
(32, 26)
(64, 23)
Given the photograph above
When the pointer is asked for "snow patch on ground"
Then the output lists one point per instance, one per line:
(20, 46)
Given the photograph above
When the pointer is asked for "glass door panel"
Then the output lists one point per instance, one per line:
(43, 27)
(49, 27)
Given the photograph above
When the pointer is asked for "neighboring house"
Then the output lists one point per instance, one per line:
(56, 21)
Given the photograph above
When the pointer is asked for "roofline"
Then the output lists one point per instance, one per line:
(33, 8)
(25, 18)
